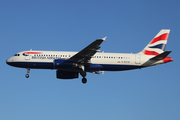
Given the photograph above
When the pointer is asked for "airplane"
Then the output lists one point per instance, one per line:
(69, 65)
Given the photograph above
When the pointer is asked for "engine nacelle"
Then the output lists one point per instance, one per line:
(61, 63)
(66, 75)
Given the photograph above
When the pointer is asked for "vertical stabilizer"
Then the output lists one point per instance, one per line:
(157, 44)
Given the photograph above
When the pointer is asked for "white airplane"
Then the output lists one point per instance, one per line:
(70, 64)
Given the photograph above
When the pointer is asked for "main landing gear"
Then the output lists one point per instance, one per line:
(27, 75)
(83, 74)
(84, 80)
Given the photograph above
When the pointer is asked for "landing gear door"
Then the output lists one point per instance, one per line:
(138, 59)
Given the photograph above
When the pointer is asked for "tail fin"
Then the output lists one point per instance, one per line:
(157, 44)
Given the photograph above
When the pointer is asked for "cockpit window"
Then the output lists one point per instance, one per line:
(17, 55)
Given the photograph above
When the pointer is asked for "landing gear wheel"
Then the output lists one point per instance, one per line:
(84, 80)
(27, 75)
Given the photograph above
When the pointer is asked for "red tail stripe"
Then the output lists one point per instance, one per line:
(161, 37)
(32, 53)
(146, 52)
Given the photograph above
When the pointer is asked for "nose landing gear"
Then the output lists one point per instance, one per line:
(27, 75)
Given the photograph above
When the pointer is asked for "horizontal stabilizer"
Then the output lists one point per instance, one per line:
(161, 56)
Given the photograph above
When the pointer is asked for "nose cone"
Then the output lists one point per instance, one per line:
(9, 61)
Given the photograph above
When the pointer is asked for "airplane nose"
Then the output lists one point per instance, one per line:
(8, 61)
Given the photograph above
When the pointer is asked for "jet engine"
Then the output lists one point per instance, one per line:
(66, 75)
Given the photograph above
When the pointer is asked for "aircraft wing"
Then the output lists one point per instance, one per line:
(86, 54)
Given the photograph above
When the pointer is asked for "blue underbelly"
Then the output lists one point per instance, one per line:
(93, 67)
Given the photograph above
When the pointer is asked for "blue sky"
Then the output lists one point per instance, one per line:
(146, 94)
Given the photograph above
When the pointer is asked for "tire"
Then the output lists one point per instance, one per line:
(27, 75)
(84, 80)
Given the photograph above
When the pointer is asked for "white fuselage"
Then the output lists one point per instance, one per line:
(106, 61)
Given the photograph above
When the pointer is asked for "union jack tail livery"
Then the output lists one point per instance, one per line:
(157, 44)
(155, 49)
